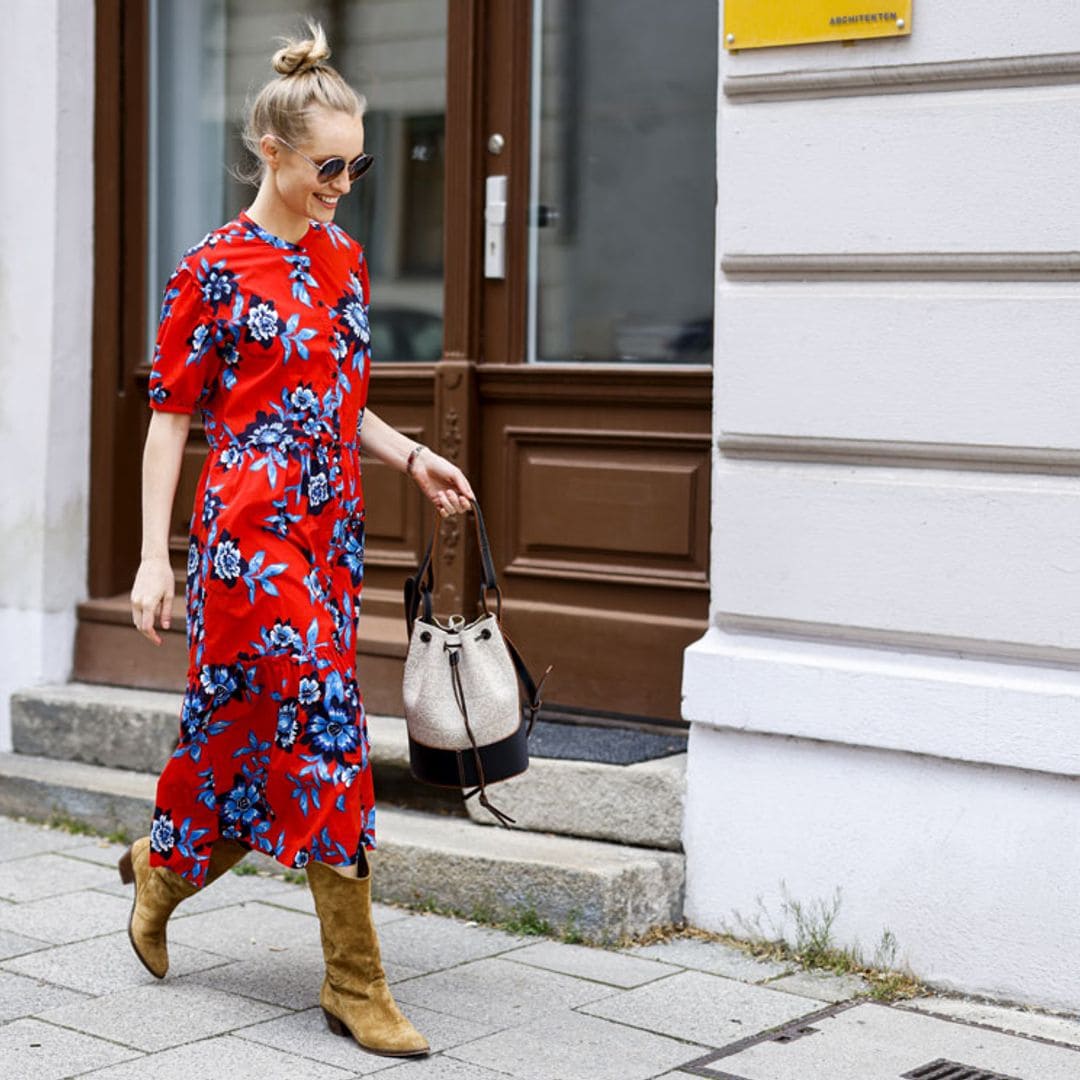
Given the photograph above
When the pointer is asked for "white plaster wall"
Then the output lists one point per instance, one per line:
(46, 220)
(887, 700)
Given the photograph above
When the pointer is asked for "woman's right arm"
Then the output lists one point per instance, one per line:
(152, 593)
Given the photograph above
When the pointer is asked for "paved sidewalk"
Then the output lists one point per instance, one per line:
(240, 1000)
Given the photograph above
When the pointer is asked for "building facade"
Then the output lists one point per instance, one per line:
(886, 702)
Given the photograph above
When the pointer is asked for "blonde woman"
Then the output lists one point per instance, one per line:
(264, 328)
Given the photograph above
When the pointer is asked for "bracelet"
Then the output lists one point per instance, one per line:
(414, 453)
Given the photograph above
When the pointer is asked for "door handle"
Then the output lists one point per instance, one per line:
(495, 227)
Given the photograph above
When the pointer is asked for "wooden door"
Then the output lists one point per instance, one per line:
(593, 473)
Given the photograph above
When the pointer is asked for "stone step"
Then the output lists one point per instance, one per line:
(603, 891)
(640, 804)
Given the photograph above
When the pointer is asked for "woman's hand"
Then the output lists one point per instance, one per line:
(443, 483)
(152, 596)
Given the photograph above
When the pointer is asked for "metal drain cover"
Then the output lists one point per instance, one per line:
(953, 1070)
(866, 1040)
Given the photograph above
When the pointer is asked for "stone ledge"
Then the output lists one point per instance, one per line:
(604, 890)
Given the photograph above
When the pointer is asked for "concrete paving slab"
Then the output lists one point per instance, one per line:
(290, 978)
(49, 874)
(441, 1067)
(32, 1050)
(17, 944)
(306, 1033)
(104, 965)
(714, 957)
(500, 992)
(23, 996)
(299, 898)
(569, 1046)
(874, 1042)
(700, 1008)
(244, 928)
(222, 1056)
(821, 986)
(598, 965)
(97, 850)
(62, 919)
(157, 1017)
(21, 838)
(431, 942)
(1064, 1029)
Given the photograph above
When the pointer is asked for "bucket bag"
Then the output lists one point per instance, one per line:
(470, 702)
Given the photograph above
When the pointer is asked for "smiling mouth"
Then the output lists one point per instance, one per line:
(326, 200)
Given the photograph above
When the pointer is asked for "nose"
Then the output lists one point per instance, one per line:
(341, 183)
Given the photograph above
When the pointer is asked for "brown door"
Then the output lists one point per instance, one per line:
(572, 382)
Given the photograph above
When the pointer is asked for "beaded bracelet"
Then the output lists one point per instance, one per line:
(413, 455)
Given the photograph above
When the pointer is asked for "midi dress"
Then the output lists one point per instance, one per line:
(270, 341)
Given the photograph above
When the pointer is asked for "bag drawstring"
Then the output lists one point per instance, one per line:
(504, 819)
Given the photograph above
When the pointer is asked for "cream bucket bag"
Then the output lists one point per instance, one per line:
(463, 707)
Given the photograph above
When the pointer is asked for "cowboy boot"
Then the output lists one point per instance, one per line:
(354, 997)
(157, 892)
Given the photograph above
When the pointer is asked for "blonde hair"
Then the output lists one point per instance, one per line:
(283, 106)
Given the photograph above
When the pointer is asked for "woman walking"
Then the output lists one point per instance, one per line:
(264, 327)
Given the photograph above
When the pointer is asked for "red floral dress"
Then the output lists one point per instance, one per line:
(269, 339)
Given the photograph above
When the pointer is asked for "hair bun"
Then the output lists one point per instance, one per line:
(297, 56)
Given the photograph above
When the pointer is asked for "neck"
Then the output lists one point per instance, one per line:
(271, 213)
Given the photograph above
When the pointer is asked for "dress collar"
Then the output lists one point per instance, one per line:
(276, 241)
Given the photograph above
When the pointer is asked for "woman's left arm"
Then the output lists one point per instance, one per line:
(440, 480)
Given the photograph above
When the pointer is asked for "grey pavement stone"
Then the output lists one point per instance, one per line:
(821, 986)
(570, 1046)
(431, 942)
(300, 899)
(221, 1057)
(701, 1008)
(96, 850)
(157, 1017)
(306, 1033)
(291, 978)
(499, 991)
(871, 1041)
(1064, 1029)
(104, 964)
(20, 838)
(31, 1050)
(599, 965)
(23, 996)
(714, 957)
(17, 944)
(242, 929)
(439, 1067)
(62, 919)
(36, 876)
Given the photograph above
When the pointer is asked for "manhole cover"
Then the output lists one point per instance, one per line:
(953, 1070)
(864, 1040)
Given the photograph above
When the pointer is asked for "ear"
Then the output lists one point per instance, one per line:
(271, 151)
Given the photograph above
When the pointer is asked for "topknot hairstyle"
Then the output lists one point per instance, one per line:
(283, 106)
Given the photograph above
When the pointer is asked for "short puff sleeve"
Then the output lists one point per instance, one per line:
(186, 356)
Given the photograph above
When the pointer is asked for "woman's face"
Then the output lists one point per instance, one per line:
(296, 182)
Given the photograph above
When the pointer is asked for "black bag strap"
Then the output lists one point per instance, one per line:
(421, 586)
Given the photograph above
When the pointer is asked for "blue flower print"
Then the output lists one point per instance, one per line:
(228, 564)
(212, 505)
(262, 325)
(162, 832)
(304, 399)
(288, 725)
(223, 682)
(352, 542)
(192, 557)
(242, 804)
(309, 691)
(317, 490)
(283, 635)
(300, 859)
(217, 283)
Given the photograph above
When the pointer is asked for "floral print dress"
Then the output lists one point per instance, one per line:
(269, 339)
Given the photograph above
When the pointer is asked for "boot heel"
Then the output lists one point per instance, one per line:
(127, 871)
(335, 1025)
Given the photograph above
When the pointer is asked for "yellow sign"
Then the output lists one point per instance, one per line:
(753, 24)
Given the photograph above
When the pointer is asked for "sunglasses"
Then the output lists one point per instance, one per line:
(332, 166)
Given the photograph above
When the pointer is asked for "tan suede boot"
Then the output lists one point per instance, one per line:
(157, 892)
(355, 998)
